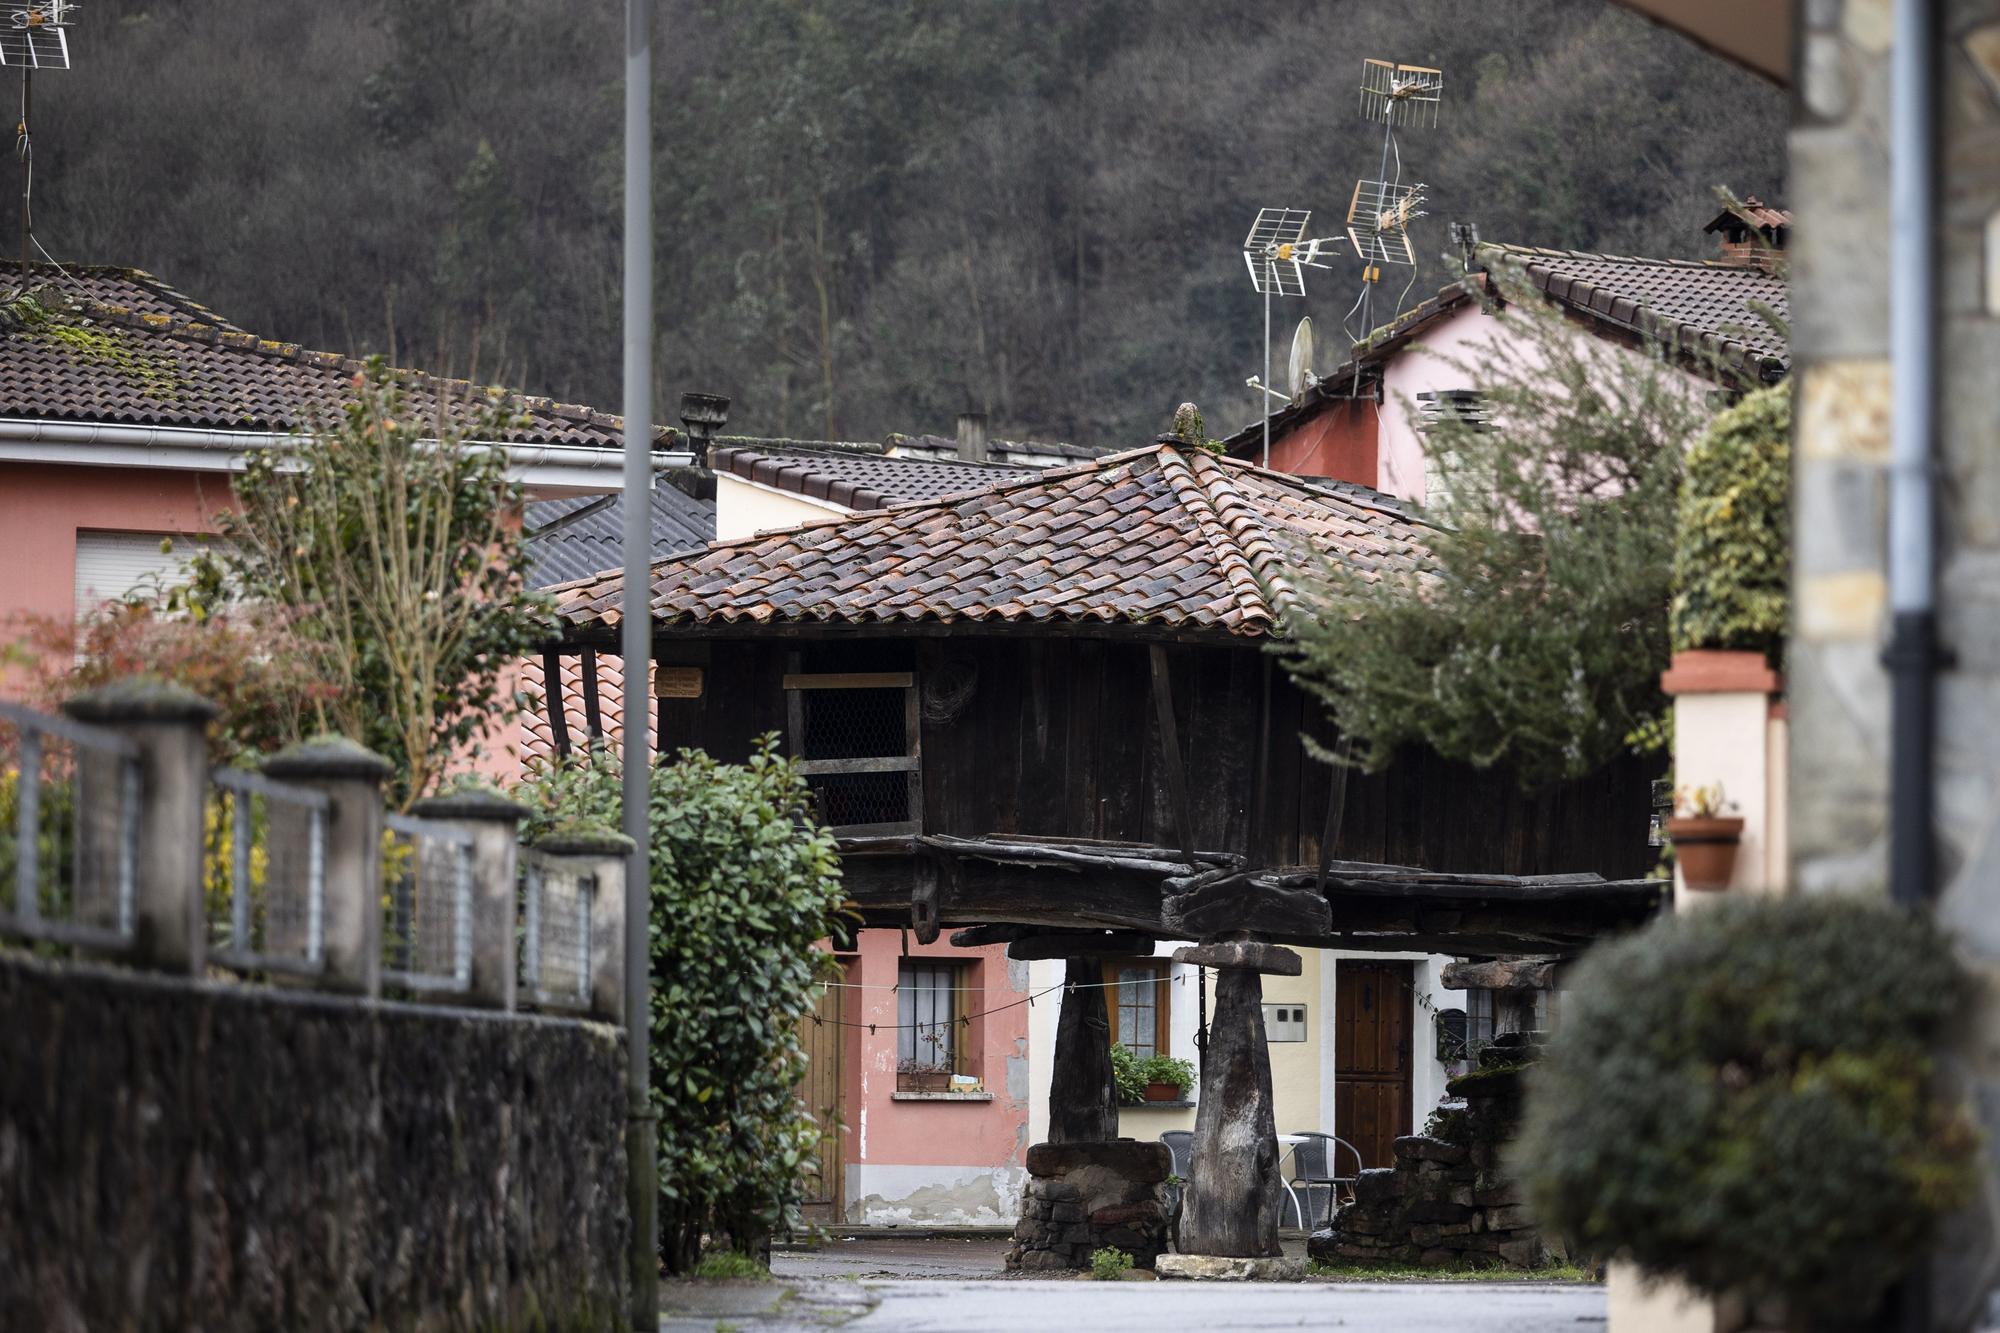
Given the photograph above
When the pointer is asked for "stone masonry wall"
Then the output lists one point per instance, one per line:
(1839, 696)
(1446, 1202)
(1082, 1197)
(180, 1155)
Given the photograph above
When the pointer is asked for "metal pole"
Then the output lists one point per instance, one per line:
(27, 173)
(1270, 275)
(642, 1162)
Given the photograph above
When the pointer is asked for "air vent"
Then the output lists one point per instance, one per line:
(1466, 406)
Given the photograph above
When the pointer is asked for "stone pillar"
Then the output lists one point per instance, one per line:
(494, 822)
(351, 776)
(602, 855)
(1232, 1202)
(169, 726)
(1083, 1099)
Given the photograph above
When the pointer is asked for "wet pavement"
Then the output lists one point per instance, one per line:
(898, 1285)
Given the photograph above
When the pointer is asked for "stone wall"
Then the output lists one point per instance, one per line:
(1446, 1202)
(1839, 695)
(1082, 1197)
(182, 1155)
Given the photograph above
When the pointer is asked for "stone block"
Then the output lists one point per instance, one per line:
(1042, 1260)
(1243, 956)
(1066, 1212)
(1222, 1268)
(1496, 1191)
(1054, 1191)
(1424, 1233)
(1508, 1218)
(1437, 1258)
(1433, 1210)
(1455, 1229)
(1377, 1184)
(1134, 1159)
(1147, 1211)
(1524, 1253)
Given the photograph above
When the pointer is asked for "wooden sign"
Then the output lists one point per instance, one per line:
(677, 682)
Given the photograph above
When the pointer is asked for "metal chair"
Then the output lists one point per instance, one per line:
(1316, 1161)
(1180, 1145)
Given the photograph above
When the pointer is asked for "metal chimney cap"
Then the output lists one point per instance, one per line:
(703, 412)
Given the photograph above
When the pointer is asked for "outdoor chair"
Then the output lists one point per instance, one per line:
(1180, 1144)
(1316, 1161)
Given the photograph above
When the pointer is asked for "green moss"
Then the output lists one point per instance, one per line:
(1491, 1076)
(155, 376)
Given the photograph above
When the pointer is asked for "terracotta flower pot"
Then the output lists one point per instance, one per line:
(1164, 1092)
(1706, 850)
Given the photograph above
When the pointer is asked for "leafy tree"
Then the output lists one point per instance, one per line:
(743, 885)
(395, 542)
(1536, 632)
(1732, 561)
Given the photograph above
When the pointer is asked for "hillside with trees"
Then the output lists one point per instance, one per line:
(873, 214)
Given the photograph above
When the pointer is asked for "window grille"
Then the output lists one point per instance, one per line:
(856, 736)
(928, 1049)
(1468, 407)
(1141, 1017)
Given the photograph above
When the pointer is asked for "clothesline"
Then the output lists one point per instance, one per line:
(1092, 985)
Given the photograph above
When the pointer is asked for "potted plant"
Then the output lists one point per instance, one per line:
(914, 1076)
(1704, 836)
(1167, 1079)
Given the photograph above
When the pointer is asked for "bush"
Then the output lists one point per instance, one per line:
(743, 885)
(1732, 552)
(1108, 1264)
(1125, 1074)
(1739, 1097)
(1166, 1069)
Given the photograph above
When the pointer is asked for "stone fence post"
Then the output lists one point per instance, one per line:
(169, 725)
(494, 822)
(351, 776)
(602, 855)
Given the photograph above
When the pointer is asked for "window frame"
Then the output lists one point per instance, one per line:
(1163, 1025)
(958, 976)
(798, 684)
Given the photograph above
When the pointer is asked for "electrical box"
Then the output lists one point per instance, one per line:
(1284, 1022)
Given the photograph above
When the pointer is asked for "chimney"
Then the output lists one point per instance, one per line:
(702, 416)
(972, 437)
(1754, 237)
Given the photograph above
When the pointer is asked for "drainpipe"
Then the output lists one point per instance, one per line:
(1912, 656)
(641, 1159)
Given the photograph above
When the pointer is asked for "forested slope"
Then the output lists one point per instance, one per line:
(872, 214)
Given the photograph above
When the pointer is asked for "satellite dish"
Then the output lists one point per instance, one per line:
(1301, 367)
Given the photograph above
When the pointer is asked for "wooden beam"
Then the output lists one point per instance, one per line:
(593, 716)
(552, 694)
(1170, 750)
(1091, 944)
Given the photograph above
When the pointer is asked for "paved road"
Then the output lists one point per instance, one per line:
(1136, 1307)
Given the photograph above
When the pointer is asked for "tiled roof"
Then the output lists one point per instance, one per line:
(1690, 302)
(853, 478)
(1765, 216)
(538, 738)
(596, 541)
(1162, 536)
(1055, 449)
(162, 360)
(105, 284)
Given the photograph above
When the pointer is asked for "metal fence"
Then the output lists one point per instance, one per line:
(69, 827)
(264, 868)
(427, 932)
(556, 901)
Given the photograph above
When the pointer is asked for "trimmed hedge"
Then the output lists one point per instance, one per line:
(1740, 1096)
(1732, 552)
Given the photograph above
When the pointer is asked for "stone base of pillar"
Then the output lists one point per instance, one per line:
(1084, 1197)
(1228, 1268)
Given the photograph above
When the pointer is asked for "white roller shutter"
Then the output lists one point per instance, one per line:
(111, 564)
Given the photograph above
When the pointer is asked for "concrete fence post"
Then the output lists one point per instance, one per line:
(169, 725)
(351, 776)
(494, 822)
(602, 855)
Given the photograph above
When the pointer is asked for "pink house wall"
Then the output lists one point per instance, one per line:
(909, 1159)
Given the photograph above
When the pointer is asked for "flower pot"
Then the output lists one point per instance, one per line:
(1164, 1092)
(926, 1080)
(1706, 850)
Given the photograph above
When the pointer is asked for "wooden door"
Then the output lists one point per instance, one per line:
(1371, 1100)
(822, 1090)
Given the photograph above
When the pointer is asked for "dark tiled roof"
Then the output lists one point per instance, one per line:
(1694, 303)
(596, 542)
(1767, 218)
(1037, 448)
(1160, 536)
(853, 478)
(166, 362)
(125, 288)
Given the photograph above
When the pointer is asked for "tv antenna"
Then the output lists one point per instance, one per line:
(33, 35)
(1277, 253)
(1380, 213)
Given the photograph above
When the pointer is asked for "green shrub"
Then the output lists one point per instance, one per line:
(1125, 1074)
(1732, 551)
(1166, 1069)
(1108, 1265)
(727, 1264)
(1739, 1097)
(743, 884)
